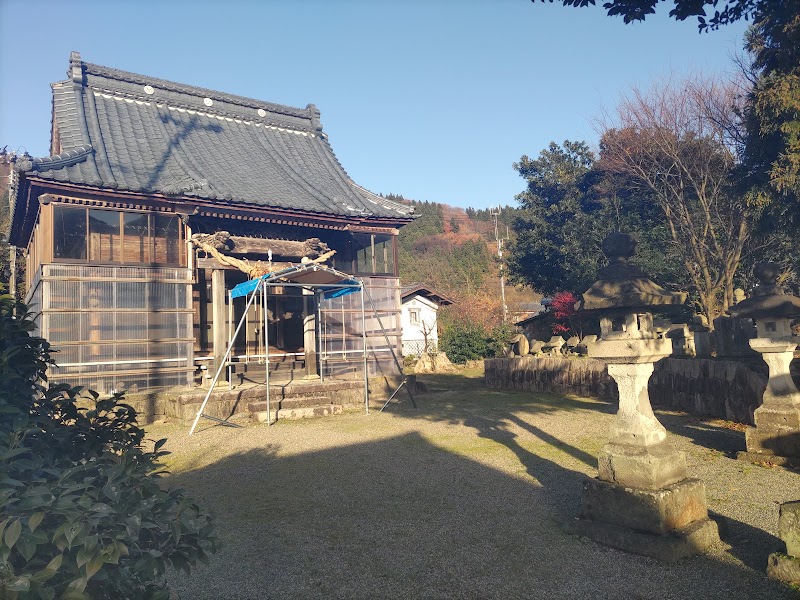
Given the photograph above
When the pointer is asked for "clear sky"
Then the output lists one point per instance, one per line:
(431, 99)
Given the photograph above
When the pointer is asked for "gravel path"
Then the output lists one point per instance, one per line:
(464, 498)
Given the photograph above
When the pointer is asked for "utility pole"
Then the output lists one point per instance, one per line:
(495, 212)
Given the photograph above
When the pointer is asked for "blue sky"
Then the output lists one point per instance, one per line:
(434, 100)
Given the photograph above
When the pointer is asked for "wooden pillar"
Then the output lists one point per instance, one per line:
(219, 316)
(310, 333)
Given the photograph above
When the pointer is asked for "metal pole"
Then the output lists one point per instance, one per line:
(221, 367)
(364, 333)
(232, 339)
(266, 353)
(247, 336)
(320, 335)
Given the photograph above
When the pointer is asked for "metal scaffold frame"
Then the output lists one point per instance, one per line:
(325, 283)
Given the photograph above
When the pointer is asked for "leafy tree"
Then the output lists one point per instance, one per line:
(772, 113)
(670, 144)
(84, 513)
(637, 10)
(569, 206)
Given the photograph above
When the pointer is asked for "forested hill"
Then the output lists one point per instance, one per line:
(454, 251)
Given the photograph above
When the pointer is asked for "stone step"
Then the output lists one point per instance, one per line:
(292, 402)
(301, 412)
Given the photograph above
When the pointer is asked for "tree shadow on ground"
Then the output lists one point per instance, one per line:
(749, 544)
(703, 433)
(401, 517)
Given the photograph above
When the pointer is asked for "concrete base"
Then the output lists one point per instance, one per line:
(783, 568)
(667, 524)
(641, 467)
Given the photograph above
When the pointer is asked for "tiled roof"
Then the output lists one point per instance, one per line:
(125, 131)
(421, 289)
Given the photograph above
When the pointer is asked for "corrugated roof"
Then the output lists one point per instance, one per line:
(124, 131)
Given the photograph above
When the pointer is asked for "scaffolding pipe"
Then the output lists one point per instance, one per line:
(320, 335)
(219, 369)
(366, 367)
(230, 324)
(266, 353)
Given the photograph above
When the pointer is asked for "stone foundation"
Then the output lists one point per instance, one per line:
(666, 524)
(182, 405)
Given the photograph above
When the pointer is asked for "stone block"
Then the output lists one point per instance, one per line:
(661, 511)
(697, 538)
(641, 467)
(783, 568)
(778, 442)
(775, 417)
(789, 527)
(772, 460)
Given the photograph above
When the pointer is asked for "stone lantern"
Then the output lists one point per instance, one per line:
(642, 500)
(776, 437)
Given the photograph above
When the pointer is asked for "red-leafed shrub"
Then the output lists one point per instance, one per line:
(563, 308)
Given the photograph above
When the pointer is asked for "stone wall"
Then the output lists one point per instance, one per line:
(579, 376)
(725, 389)
(719, 388)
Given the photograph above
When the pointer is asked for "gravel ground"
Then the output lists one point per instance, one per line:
(465, 497)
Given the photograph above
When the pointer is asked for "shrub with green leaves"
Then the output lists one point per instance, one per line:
(464, 341)
(83, 512)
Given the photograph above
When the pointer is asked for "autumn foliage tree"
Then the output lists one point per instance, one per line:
(564, 313)
(667, 143)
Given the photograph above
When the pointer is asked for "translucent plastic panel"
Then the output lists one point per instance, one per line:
(62, 294)
(64, 327)
(132, 326)
(165, 296)
(131, 295)
(97, 294)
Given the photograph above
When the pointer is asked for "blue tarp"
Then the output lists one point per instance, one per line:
(349, 286)
(341, 292)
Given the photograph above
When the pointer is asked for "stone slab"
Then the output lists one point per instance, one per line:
(697, 538)
(770, 460)
(672, 508)
(310, 412)
(777, 416)
(641, 467)
(779, 441)
(789, 527)
(783, 568)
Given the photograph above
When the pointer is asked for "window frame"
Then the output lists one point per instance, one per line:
(151, 250)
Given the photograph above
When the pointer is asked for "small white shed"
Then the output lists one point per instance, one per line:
(420, 305)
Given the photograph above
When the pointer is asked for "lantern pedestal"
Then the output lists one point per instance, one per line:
(666, 524)
(642, 502)
(776, 437)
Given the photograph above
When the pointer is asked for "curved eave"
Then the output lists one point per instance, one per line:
(22, 222)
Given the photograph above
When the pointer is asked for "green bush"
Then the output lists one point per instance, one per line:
(83, 511)
(464, 341)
